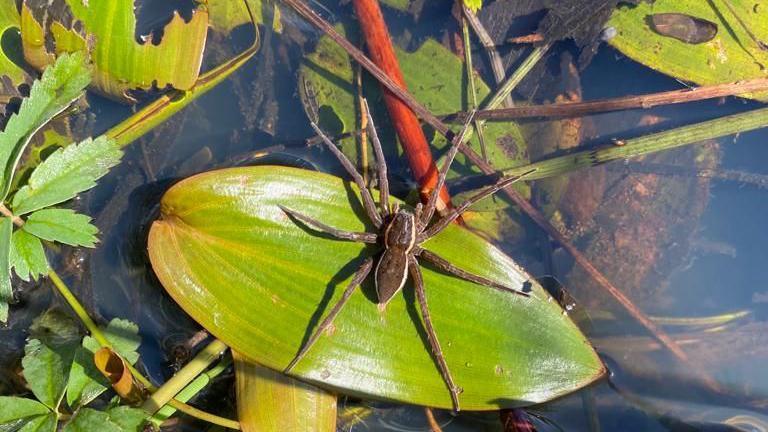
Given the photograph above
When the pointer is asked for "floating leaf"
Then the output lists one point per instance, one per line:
(236, 263)
(121, 63)
(270, 401)
(66, 173)
(27, 256)
(63, 226)
(733, 55)
(16, 408)
(60, 85)
(116, 370)
(683, 27)
(6, 291)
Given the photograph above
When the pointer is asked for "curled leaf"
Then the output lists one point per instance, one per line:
(116, 370)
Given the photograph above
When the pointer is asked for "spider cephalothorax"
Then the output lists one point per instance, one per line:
(400, 233)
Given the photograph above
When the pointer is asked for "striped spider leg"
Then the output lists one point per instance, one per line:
(400, 233)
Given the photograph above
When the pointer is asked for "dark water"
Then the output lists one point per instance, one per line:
(720, 270)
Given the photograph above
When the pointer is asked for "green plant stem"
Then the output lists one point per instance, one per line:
(471, 84)
(97, 334)
(517, 77)
(70, 298)
(504, 92)
(181, 379)
(635, 147)
(192, 389)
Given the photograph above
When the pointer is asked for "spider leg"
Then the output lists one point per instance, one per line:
(357, 279)
(370, 206)
(455, 213)
(381, 164)
(444, 265)
(434, 343)
(362, 237)
(456, 143)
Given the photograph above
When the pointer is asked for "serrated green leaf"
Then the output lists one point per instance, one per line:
(27, 255)
(60, 85)
(66, 173)
(6, 291)
(63, 226)
(124, 337)
(16, 408)
(46, 423)
(45, 371)
(128, 419)
(90, 420)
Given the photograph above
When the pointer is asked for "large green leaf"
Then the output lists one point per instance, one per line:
(731, 56)
(234, 261)
(107, 31)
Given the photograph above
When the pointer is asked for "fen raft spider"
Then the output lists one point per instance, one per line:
(400, 233)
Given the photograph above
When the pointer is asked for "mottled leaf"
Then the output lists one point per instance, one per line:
(67, 172)
(109, 27)
(63, 226)
(60, 85)
(27, 256)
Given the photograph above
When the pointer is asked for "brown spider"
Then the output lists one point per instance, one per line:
(401, 232)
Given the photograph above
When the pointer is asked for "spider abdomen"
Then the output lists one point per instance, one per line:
(391, 273)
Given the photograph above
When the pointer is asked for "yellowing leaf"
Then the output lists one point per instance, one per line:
(121, 63)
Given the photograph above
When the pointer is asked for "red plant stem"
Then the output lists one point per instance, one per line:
(404, 120)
